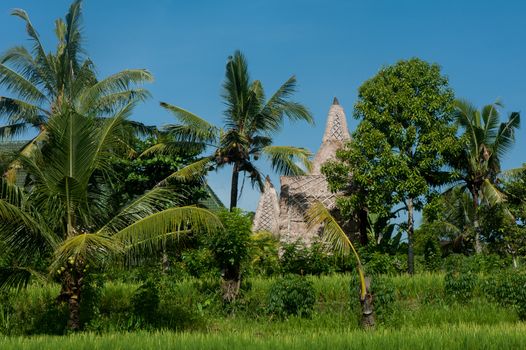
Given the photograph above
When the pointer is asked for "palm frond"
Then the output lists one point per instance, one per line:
(17, 83)
(505, 136)
(193, 128)
(148, 234)
(236, 88)
(190, 173)
(109, 104)
(153, 201)
(283, 159)
(14, 277)
(15, 111)
(92, 249)
(270, 117)
(12, 130)
(174, 147)
(491, 193)
(40, 56)
(114, 89)
(318, 216)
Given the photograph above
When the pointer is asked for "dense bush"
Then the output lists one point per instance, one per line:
(384, 264)
(145, 301)
(264, 254)
(199, 263)
(460, 280)
(291, 295)
(507, 288)
(296, 258)
(231, 246)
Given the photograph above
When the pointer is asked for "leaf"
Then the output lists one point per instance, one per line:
(317, 215)
(283, 159)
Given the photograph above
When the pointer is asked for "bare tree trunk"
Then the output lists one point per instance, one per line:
(410, 237)
(234, 186)
(368, 319)
(476, 223)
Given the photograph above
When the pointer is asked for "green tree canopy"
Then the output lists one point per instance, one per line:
(398, 150)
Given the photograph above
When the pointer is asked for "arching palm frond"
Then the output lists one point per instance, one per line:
(87, 248)
(284, 158)
(278, 105)
(153, 201)
(505, 136)
(16, 277)
(15, 82)
(318, 216)
(113, 91)
(190, 173)
(193, 129)
(148, 234)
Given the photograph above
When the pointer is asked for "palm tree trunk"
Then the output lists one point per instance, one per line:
(368, 319)
(70, 293)
(410, 234)
(234, 186)
(476, 223)
(231, 283)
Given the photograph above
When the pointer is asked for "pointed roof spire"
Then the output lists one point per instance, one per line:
(336, 134)
(267, 212)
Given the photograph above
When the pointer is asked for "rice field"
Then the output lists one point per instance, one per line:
(463, 336)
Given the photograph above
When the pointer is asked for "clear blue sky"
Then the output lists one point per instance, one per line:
(331, 46)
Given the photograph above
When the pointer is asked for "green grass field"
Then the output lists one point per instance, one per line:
(422, 317)
(463, 336)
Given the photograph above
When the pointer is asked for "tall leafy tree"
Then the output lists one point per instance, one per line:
(250, 122)
(405, 129)
(487, 140)
(39, 82)
(62, 215)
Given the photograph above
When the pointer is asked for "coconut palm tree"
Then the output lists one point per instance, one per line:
(318, 217)
(40, 82)
(250, 121)
(62, 214)
(487, 140)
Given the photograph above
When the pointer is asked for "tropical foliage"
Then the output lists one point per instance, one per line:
(477, 166)
(40, 82)
(399, 148)
(250, 121)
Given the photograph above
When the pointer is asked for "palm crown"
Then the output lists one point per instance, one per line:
(250, 121)
(487, 140)
(40, 82)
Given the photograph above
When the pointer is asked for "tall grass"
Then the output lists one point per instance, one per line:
(464, 336)
(195, 304)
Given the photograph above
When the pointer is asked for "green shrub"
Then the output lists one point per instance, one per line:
(507, 288)
(264, 254)
(291, 295)
(200, 262)
(145, 301)
(91, 295)
(298, 259)
(231, 246)
(384, 296)
(460, 280)
(384, 264)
